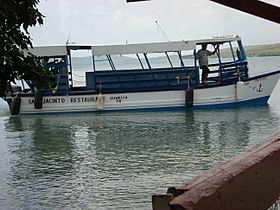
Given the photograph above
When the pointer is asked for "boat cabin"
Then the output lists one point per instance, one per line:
(143, 67)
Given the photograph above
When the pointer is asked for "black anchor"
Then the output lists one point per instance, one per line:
(260, 89)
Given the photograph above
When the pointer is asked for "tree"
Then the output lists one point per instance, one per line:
(16, 17)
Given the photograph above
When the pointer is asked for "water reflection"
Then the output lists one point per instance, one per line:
(43, 160)
(94, 161)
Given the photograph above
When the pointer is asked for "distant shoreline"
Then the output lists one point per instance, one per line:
(263, 50)
(256, 50)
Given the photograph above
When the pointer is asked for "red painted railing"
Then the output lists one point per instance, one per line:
(254, 7)
(248, 181)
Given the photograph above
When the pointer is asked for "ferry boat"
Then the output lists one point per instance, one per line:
(161, 75)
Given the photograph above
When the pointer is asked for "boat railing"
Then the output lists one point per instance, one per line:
(229, 71)
(142, 80)
(234, 70)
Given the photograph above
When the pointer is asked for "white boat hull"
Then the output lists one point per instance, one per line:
(252, 91)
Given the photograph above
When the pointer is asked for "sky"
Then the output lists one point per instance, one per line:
(102, 22)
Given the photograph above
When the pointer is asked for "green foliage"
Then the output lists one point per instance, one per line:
(16, 16)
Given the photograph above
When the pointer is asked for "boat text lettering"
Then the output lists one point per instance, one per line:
(118, 99)
(83, 99)
(49, 101)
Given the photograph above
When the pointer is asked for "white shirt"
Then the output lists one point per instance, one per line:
(202, 56)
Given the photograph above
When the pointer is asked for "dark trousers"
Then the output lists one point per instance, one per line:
(205, 72)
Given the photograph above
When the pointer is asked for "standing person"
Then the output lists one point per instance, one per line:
(238, 54)
(202, 56)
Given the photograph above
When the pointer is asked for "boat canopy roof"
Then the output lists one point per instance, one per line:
(49, 51)
(143, 48)
(156, 47)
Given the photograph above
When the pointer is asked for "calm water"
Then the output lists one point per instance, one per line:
(117, 160)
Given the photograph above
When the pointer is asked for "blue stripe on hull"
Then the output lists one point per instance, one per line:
(252, 102)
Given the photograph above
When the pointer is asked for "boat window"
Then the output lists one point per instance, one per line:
(227, 52)
(236, 51)
(214, 59)
(159, 60)
(81, 62)
(126, 62)
(142, 61)
(54, 64)
(165, 60)
(175, 59)
(102, 63)
(188, 57)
